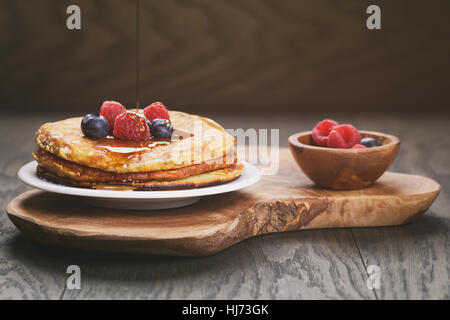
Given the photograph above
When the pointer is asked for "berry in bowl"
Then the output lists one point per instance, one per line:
(339, 156)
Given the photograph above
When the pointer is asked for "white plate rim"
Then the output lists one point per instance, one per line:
(27, 174)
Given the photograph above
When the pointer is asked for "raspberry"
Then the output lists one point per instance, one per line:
(131, 126)
(110, 110)
(322, 130)
(156, 111)
(343, 136)
(359, 146)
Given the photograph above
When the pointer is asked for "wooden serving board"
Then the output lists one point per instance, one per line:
(284, 202)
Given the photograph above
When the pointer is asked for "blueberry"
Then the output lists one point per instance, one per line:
(95, 126)
(370, 142)
(161, 129)
(149, 123)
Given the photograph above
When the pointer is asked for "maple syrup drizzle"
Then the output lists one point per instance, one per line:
(127, 149)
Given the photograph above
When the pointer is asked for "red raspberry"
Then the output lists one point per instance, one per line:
(110, 110)
(343, 136)
(131, 126)
(322, 130)
(156, 111)
(359, 146)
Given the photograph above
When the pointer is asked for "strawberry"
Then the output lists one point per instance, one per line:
(110, 110)
(156, 111)
(131, 126)
(359, 146)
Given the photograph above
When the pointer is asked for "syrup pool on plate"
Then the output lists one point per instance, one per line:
(107, 187)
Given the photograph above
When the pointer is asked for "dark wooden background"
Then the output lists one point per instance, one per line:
(250, 55)
(247, 55)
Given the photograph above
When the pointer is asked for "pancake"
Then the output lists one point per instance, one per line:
(200, 153)
(196, 140)
(75, 172)
(195, 181)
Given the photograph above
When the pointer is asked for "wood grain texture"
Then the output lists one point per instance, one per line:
(295, 55)
(24, 272)
(283, 202)
(226, 54)
(414, 258)
(45, 66)
(343, 169)
(296, 265)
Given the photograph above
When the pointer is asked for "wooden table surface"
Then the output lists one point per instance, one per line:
(414, 259)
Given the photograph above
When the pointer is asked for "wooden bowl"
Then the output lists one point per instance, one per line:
(343, 169)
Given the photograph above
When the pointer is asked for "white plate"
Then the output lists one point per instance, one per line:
(138, 200)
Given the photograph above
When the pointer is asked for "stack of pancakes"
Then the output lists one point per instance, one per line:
(201, 153)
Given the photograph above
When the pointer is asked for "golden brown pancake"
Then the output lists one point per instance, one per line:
(195, 181)
(199, 154)
(197, 140)
(75, 172)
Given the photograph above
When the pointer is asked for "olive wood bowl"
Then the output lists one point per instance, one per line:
(343, 169)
